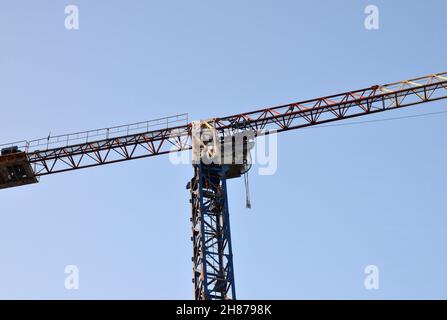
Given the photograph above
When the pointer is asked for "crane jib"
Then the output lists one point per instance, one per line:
(160, 136)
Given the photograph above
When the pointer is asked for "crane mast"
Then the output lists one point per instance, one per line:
(213, 273)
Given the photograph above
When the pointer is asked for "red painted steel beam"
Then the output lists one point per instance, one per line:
(338, 107)
(107, 151)
(280, 118)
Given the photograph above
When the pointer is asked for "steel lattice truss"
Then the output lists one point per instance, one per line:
(281, 118)
(118, 149)
(213, 274)
(341, 106)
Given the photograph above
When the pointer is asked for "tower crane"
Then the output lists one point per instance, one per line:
(24, 162)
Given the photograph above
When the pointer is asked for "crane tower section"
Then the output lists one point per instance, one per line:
(216, 158)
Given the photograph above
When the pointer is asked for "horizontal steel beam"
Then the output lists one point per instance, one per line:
(280, 118)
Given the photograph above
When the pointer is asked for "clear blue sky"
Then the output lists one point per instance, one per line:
(342, 198)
